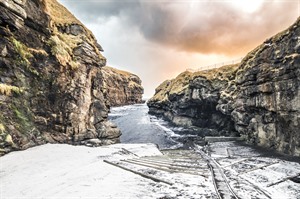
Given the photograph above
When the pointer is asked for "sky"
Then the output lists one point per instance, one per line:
(158, 39)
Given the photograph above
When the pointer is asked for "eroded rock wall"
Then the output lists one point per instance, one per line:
(121, 87)
(191, 99)
(266, 104)
(50, 78)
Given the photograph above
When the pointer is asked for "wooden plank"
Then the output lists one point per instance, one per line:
(283, 179)
(139, 173)
(257, 168)
(170, 165)
(165, 168)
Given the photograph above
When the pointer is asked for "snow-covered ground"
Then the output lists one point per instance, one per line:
(56, 171)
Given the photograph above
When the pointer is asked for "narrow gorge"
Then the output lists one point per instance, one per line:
(73, 125)
(258, 99)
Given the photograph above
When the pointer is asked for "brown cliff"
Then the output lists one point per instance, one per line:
(50, 78)
(121, 87)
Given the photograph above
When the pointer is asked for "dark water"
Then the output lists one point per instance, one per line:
(137, 126)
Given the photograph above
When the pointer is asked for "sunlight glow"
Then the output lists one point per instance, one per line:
(248, 6)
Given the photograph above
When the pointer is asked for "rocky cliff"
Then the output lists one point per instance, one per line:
(265, 101)
(50, 78)
(191, 98)
(259, 98)
(121, 87)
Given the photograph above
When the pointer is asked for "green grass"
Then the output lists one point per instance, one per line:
(2, 128)
(8, 89)
(23, 120)
(63, 51)
(61, 17)
(23, 56)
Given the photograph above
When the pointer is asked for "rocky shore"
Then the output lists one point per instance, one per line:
(258, 99)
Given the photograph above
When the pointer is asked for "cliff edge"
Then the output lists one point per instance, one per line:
(50, 78)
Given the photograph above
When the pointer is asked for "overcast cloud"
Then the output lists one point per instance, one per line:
(158, 39)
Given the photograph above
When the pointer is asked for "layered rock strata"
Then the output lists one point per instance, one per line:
(265, 96)
(121, 87)
(260, 100)
(50, 78)
(191, 98)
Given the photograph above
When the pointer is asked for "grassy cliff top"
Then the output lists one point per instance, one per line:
(115, 75)
(274, 39)
(179, 84)
(62, 44)
(59, 14)
(217, 73)
(109, 69)
(182, 80)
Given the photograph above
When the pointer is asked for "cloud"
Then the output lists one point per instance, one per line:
(159, 39)
(205, 27)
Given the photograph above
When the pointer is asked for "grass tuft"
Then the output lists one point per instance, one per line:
(63, 51)
(8, 89)
(2, 128)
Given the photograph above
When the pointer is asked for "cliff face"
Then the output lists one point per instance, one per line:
(50, 78)
(191, 99)
(260, 98)
(121, 87)
(266, 104)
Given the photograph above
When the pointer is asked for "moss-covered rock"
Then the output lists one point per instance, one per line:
(50, 78)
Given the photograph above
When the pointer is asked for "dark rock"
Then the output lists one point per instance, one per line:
(191, 100)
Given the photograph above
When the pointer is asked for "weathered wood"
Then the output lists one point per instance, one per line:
(235, 162)
(165, 168)
(138, 173)
(172, 164)
(261, 167)
(221, 139)
(283, 179)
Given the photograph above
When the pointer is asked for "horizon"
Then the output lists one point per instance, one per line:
(157, 40)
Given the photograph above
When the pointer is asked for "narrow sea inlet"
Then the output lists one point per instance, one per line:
(137, 126)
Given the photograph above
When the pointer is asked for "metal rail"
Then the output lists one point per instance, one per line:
(222, 187)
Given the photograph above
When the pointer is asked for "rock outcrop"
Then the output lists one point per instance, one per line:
(121, 87)
(50, 78)
(191, 98)
(265, 101)
(260, 97)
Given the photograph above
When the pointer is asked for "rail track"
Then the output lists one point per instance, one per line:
(229, 173)
(222, 187)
